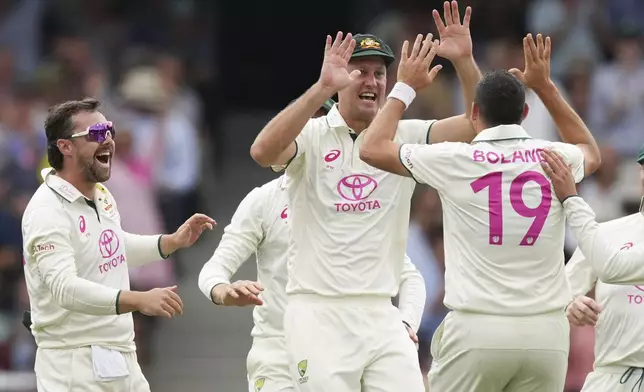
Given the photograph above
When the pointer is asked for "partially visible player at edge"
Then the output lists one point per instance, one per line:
(260, 226)
(506, 290)
(349, 221)
(613, 263)
(77, 257)
(619, 347)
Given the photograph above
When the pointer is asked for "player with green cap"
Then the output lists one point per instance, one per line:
(349, 221)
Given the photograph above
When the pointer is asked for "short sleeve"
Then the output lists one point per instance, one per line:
(414, 131)
(580, 274)
(429, 164)
(303, 143)
(574, 156)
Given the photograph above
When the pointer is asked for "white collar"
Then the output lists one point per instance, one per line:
(501, 132)
(63, 188)
(334, 119)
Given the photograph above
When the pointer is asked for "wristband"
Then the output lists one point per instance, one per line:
(403, 92)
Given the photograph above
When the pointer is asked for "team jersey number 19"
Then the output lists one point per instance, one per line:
(494, 182)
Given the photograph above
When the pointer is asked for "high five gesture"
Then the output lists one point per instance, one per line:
(334, 75)
(413, 69)
(455, 38)
(537, 63)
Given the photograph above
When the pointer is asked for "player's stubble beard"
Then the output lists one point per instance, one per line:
(93, 171)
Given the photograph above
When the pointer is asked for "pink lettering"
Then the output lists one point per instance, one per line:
(492, 157)
(366, 205)
(539, 155)
(477, 156)
(505, 159)
(635, 299)
(517, 156)
(112, 263)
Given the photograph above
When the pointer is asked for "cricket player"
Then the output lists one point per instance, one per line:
(504, 266)
(260, 226)
(612, 263)
(619, 348)
(349, 221)
(76, 262)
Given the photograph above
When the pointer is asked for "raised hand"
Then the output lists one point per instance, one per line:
(413, 69)
(334, 75)
(537, 62)
(455, 38)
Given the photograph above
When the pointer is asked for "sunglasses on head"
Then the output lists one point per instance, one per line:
(97, 132)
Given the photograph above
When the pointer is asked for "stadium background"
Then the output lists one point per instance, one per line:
(214, 72)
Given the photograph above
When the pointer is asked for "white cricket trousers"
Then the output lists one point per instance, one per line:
(72, 370)
(614, 379)
(349, 344)
(267, 366)
(489, 353)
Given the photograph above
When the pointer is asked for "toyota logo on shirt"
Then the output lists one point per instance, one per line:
(108, 243)
(355, 190)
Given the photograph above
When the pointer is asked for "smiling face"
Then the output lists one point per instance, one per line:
(92, 159)
(361, 100)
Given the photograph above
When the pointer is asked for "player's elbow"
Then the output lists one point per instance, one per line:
(369, 154)
(260, 154)
(593, 163)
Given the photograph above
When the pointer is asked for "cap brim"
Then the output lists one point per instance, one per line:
(370, 52)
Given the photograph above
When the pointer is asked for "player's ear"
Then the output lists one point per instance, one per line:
(526, 110)
(65, 147)
(475, 112)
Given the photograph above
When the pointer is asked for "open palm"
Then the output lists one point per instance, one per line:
(455, 38)
(188, 233)
(334, 75)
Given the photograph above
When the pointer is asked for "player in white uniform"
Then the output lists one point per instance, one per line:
(619, 347)
(76, 262)
(504, 273)
(349, 221)
(260, 226)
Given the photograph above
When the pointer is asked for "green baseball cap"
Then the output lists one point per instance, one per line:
(640, 156)
(370, 45)
(328, 105)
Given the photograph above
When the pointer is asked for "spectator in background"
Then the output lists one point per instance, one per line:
(617, 105)
(600, 190)
(166, 139)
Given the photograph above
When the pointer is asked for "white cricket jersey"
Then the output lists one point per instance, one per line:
(76, 263)
(618, 339)
(260, 226)
(503, 226)
(613, 263)
(350, 220)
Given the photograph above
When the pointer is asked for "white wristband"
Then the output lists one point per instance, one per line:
(403, 92)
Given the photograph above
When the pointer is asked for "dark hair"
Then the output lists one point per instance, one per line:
(59, 125)
(500, 97)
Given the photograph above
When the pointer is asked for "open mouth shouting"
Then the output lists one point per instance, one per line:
(104, 158)
(368, 96)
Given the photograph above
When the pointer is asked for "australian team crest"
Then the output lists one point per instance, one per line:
(369, 43)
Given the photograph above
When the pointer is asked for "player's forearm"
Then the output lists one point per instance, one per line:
(381, 131)
(128, 301)
(412, 297)
(570, 126)
(284, 128)
(82, 296)
(143, 249)
(612, 263)
(212, 275)
(469, 75)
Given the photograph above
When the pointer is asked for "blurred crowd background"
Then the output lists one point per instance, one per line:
(189, 83)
